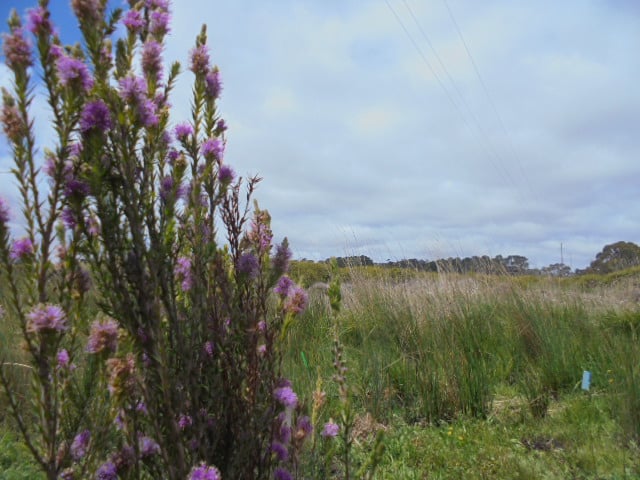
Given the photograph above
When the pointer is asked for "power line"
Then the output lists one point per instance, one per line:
(424, 58)
(476, 122)
(499, 168)
(435, 53)
(486, 92)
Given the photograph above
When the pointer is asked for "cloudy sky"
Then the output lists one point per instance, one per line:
(425, 129)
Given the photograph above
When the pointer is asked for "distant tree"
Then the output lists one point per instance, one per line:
(353, 261)
(412, 263)
(556, 270)
(514, 264)
(617, 256)
(431, 266)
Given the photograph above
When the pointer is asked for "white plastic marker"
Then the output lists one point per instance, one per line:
(586, 380)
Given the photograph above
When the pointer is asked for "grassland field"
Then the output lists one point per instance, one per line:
(468, 376)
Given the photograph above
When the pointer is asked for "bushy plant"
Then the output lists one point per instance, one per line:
(170, 366)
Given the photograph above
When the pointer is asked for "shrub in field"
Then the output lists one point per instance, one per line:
(170, 366)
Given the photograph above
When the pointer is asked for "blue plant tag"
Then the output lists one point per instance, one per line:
(586, 380)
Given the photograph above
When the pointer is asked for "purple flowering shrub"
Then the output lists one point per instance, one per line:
(45, 283)
(150, 296)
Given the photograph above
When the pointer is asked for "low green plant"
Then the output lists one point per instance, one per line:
(16, 462)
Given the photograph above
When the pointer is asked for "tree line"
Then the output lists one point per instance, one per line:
(613, 257)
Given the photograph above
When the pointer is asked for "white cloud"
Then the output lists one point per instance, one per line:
(361, 149)
(280, 102)
(374, 121)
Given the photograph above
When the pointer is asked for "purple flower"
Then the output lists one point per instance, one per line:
(260, 233)
(183, 272)
(152, 59)
(75, 187)
(330, 430)
(46, 318)
(103, 337)
(56, 51)
(297, 301)
(284, 432)
(106, 57)
(262, 349)
(183, 130)
(107, 471)
(208, 348)
(283, 286)
(280, 451)
(142, 408)
(72, 70)
(119, 420)
(200, 59)
(303, 427)
(17, 49)
(93, 225)
(172, 156)
(12, 122)
(204, 472)
(147, 113)
(221, 126)
(185, 191)
(133, 20)
(122, 379)
(4, 211)
(226, 174)
(282, 474)
(185, 421)
(68, 218)
(213, 83)
(21, 248)
(81, 280)
(248, 265)
(286, 396)
(159, 4)
(50, 165)
(166, 187)
(284, 382)
(159, 24)
(95, 115)
(148, 447)
(166, 138)
(80, 445)
(63, 358)
(132, 88)
(38, 21)
(75, 149)
(214, 147)
(282, 257)
(89, 12)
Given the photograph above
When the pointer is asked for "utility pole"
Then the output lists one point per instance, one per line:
(561, 255)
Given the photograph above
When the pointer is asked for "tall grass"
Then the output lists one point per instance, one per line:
(434, 347)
